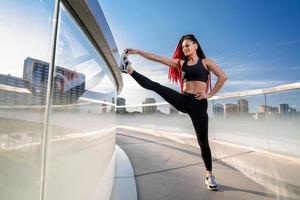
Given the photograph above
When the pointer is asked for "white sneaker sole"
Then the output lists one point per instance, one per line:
(123, 66)
(212, 189)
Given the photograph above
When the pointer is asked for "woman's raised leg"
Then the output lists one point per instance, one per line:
(171, 96)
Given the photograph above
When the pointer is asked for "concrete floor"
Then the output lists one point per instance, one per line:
(165, 169)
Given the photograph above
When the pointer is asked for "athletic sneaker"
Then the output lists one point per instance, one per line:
(125, 63)
(211, 183)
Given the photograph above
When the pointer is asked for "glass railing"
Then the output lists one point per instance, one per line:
(265, 119)
(25, 31)
(81, 152)
(57, 137)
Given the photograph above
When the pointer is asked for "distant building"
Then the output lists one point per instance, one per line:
(68, 85)
(243, 108)
(265, 109)
(274, 110)
(121, 102)
(283, 109)
(218, 110)
(231, 109)
(293, 112)
(14, 91)
(149, 109)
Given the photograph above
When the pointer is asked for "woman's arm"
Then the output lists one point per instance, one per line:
(212, 66)
(219, 73)
(154, 57)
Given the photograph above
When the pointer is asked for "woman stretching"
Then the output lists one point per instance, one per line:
(191, 69)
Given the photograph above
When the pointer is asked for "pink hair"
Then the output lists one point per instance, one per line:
(175, 75)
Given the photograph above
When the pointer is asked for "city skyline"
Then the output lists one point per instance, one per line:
(241, 108)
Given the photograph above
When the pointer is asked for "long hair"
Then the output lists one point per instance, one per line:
(175, 75)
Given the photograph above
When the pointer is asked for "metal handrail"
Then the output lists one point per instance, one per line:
(91, 19)
(280, 88)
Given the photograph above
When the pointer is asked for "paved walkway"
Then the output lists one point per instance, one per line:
(165, 169)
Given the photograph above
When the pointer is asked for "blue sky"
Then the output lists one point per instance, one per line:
(255, 42)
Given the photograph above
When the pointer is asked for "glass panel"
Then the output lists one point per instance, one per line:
(211, 131)
(126, 116)
(83, 120)
(146, 119)
(25, 32)
(167, 119)
(248, 121)
(284, 122)
(186, 125)
(240, 120)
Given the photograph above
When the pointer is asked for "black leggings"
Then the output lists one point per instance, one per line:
(186, 103)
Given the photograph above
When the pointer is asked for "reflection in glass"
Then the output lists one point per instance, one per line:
(81, 153)
(23, 34)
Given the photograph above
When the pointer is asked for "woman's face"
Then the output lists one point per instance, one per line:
(189, 47)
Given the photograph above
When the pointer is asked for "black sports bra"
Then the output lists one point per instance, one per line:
(196, 72)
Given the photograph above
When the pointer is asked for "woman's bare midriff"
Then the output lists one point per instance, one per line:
(194, 87)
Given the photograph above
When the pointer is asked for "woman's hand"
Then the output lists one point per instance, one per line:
(131, 51)
(202, 95)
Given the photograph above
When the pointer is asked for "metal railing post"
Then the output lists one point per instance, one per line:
(45, 138)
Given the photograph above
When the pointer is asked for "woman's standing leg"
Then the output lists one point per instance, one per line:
(197, 110)
(171, 96)
(200, 123)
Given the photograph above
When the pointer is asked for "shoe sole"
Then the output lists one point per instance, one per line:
(212, 189)
(124, 62)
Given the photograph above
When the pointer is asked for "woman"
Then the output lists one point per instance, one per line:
(191, 69)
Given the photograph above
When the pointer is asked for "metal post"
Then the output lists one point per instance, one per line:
(214, 132)
(45, 138)
(267, 121)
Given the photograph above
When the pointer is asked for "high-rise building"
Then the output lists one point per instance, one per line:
(121, 102)
(218, 110)
(149, 109)
(14, 91)
(283, 108)
(243, 108)
(231, 109)
(68, 85)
